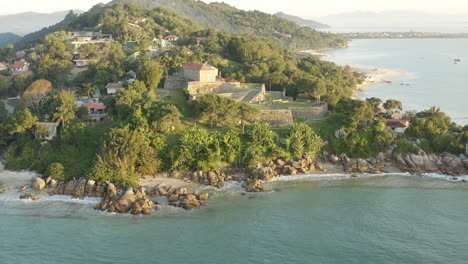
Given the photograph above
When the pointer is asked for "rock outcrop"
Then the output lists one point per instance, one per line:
(445, 163)
(29, 197)
(288, 167)
(179, 197)
(38, 184)
(133, 200)
(254, 185)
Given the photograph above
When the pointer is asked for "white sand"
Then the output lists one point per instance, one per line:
(379, 75)
(150, 181)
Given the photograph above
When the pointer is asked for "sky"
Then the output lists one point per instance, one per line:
(304, 8)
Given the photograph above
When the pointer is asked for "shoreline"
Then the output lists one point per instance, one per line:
(374, 75)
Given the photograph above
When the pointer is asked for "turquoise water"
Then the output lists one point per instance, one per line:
(432, 76)
(391, 219)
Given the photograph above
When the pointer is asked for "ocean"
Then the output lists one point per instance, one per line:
(432, 76)
(384, 219)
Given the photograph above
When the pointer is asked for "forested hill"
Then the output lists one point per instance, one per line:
(255, 23)
(8, 38)
(302, 22)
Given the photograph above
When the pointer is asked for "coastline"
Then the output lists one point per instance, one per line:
(374, 75)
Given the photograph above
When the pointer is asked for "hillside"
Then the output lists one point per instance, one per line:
(255, 23)
(8, 38)
(301, 22)
(24, 23)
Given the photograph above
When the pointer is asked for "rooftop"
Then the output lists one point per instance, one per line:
(198, 67)
(114, 85)
(172, 37)
(95, 106)
(395, 123)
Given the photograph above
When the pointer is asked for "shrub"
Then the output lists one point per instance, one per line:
(56, 171)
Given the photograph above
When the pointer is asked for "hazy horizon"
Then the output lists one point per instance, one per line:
(301, 8)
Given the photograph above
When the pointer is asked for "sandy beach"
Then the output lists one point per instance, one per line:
(150, 181)
(373, 75)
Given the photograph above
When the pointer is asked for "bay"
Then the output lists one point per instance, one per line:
(432, 76)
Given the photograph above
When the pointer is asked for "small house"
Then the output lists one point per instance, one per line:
(20, 54)
(112, 88)
(3, 66)
(19, 66)
(172, 38)
(96, 112)
(45, 130)
(139, 20)
(397, 125)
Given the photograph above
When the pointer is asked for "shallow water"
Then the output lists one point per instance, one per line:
(387, 219)
(432, 79)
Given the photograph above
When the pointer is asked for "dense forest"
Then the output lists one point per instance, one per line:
(255, 23)
(8, 38)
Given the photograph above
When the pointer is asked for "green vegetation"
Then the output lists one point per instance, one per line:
(153, 130)
(255, 23)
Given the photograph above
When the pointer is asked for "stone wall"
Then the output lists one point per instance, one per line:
(200, 76)
(277, 117)
(314, 112)
(195, 88)
(175, 82)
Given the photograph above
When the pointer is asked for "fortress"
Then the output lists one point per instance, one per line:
(198, 79)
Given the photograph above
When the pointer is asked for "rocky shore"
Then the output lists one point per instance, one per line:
(180, 189)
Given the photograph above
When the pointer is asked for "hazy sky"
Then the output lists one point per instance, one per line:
(305, 8)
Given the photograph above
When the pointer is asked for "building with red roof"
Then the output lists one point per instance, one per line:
(19, 66)
(398, 125)
(171, 38)
(20, 54)
(199, 72)
(3, 66)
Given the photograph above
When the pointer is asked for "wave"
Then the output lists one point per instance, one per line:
(14, 197)
(344, 176)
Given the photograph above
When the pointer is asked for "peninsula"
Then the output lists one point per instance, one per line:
(126, 102)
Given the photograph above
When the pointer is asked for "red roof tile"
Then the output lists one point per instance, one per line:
(95, 106)
(230, 80)
(114, 85)
(394, 123)
(198, 67)
(172, 37)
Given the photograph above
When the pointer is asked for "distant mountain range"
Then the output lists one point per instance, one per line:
(302, 22)
(24, 23)
(398, 20)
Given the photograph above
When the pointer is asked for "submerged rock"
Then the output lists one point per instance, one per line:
(254, 185)
(29, 197)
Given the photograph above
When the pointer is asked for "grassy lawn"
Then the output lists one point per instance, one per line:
(175, 97)
(325, 128)
(273, 96)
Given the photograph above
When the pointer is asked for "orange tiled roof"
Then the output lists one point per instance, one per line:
(96, 106)
(198, 67)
